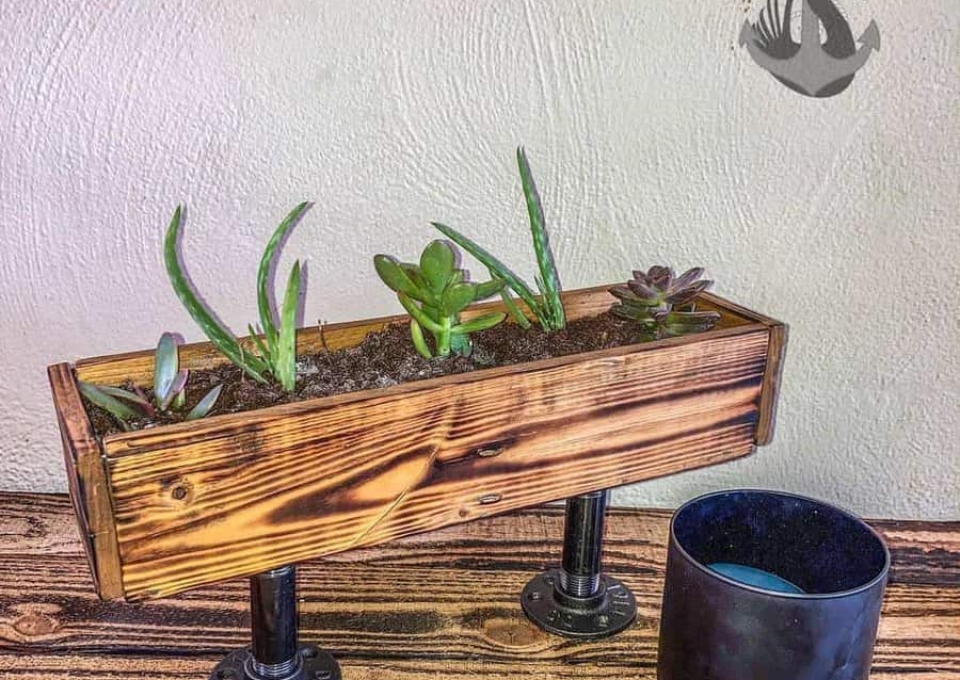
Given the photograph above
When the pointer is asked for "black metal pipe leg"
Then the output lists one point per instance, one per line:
(577, 600)
(275, 653)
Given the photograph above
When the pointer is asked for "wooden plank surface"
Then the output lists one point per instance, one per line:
(438, 605)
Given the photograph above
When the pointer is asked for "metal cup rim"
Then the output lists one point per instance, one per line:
(880, 577)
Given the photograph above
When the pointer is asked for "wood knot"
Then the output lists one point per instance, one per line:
(179, 491)
(513, 632)
(36, 624)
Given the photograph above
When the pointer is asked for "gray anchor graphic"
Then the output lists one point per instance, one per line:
(809, 67)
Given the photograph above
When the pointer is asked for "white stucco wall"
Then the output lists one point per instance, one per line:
(654, 139)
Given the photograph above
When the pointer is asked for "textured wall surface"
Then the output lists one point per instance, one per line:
(653, 136)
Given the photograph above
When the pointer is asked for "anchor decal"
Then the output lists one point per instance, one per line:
(810, 67)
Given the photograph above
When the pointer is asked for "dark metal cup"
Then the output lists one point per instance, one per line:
(716, 628)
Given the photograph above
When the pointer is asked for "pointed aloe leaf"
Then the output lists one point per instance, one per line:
(285, 360)
(204, 405)
(497, 268)
(437, 263)
(480, 323)
(263, 273)
(419, 342)
(456, 298)
(176, 388)
(514, 310)
(550, 284)
(106, 398)
(166, 362)
(258, 341)
(418, 314)
(216, 333)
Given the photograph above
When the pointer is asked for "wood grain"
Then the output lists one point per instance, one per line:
(87, 481)
(442, 604)
(195, 503)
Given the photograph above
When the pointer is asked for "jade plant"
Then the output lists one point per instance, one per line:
(169, 393)
(548, 308)
(275, 352)
(434, 293)
(663, 304)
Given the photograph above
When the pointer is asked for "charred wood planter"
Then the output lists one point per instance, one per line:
(169, 508)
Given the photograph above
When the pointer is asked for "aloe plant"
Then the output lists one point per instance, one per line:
(169, 383)
(276, 351)
(434, 293)
(548, 308)
(663, 304)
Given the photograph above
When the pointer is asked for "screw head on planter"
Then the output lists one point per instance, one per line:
(663, 304)
(434, 293)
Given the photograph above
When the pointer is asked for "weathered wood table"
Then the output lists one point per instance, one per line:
(439, 606)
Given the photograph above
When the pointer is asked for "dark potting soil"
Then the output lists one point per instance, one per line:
(387, 358)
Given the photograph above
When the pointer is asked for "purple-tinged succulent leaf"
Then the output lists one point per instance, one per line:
(689, 293)
(643, 290)
(165, 366)
(176, 388)
(687, 278)
(204, 405)
(108, 398)
(660, 276)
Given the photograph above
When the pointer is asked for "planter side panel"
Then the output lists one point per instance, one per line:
(87, 482)
(225, 499)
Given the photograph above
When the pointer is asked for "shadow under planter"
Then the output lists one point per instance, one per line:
(770, 586)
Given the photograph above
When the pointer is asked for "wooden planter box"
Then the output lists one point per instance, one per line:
(173, 507)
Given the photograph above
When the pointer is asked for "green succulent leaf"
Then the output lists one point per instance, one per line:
(419, 342)
(216, 333)
(107, 399)
(285, 360)
(263, 274)
(457, 297)
(418, 314)
(461, 344)
(203, 406)
(488, 288)
(396, 275)
(437, 264)
(480, 323)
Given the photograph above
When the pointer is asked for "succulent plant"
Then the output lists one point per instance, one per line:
(276, 350)
(169, 383)
(664, 304)
(548, 309)
(434, 292)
